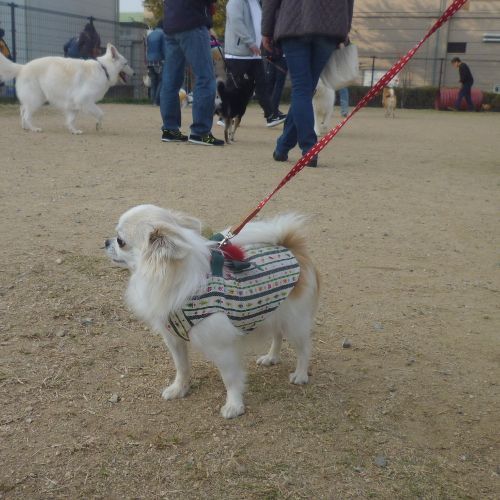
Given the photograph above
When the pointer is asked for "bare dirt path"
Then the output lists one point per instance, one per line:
(405, 233)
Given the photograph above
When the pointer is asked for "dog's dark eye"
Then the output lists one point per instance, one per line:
(120, 242)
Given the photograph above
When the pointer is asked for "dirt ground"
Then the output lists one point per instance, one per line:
(405, 234)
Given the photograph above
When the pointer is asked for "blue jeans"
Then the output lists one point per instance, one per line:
(193, 47)
(344, 101)
(306, 57)
(465, 91)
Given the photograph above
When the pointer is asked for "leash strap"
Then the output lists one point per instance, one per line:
(396, 68)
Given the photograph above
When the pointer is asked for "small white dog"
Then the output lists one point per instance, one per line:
(323, 103)
(72, 85)
(179, 286)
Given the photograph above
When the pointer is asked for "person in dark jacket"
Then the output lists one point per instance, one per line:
(89, 42)
(186, 24)
(466, 79)
(154, 57)
(308, 41)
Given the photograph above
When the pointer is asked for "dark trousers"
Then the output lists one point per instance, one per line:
(254, 69)
(154, 73)
(465, 91)
(275, 77)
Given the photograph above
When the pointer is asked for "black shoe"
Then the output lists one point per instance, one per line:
(205, 140)
(313, 162)
(173, 136)
(276, 119)
(279, 157)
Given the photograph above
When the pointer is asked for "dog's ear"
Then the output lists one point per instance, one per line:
(112, 49)
(189, 222)
(165, 243)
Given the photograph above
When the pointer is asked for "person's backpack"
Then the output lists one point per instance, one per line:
(71, 48)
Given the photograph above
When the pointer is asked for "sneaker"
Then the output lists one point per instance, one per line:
(205, 140)
(221, 123)
(173, 136)
(276, 119)
(279, 157)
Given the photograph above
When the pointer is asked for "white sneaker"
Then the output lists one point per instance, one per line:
(221, 123)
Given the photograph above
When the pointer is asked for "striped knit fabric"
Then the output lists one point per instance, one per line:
(245, 297)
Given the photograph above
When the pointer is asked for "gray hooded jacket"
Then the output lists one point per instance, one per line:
(240, 34)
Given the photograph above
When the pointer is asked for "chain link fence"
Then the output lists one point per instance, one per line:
(32, 32)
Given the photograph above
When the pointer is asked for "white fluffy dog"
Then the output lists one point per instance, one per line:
(173, 282)
(72, 85)
(323, 103)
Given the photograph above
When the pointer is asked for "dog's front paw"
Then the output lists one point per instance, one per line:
(232, 410)
(98, 126)
(268, 360)
(175, 391)
(299, 378)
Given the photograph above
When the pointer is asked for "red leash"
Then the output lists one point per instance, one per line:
(447, 14)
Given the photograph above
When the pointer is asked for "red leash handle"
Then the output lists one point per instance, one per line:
(447, 14)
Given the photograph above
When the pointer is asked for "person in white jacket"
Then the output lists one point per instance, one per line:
(242, 42)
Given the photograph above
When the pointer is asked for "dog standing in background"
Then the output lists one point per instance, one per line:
(235, 94)
(389, 101)
(71, 85)
(323, 103)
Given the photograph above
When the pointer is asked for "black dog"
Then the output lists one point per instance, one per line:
(235, 94)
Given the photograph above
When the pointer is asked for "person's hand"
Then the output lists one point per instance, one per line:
(267, 42)
(255, 50)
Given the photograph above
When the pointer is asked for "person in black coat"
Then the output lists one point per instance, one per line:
(466, 79)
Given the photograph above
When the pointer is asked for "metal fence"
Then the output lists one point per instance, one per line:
(422, 71)
(32, 32)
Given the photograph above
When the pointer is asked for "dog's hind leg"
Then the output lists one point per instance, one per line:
(70, 121)
(178, 349)
(31, 97)
(297, 329)
(236, 124)
(218, 339)
(227, 129)
(26, 123)
(273, 356)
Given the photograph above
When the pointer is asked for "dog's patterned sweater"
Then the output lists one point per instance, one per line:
(245, 297)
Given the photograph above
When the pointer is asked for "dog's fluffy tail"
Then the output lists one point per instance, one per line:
(221, 88)
(285, 229)
(8, 69)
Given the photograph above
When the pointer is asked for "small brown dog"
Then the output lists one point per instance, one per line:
(389, 101)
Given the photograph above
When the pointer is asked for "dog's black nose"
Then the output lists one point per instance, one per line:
(107, 243)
